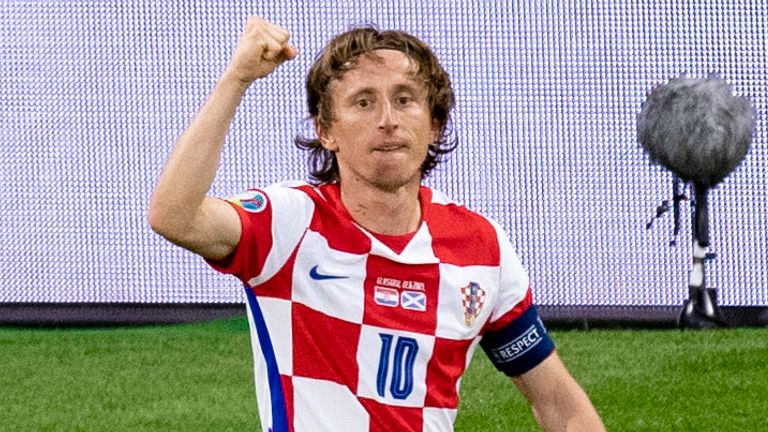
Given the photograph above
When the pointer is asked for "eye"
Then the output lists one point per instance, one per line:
(363, 103)
(404, 100)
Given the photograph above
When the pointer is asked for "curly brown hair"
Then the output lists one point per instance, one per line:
(338, 57)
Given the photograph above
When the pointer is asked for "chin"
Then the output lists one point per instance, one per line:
(388, 180)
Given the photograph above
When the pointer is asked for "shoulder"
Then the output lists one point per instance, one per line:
(278, 199)
(277, 191)
(459, 228)
(319, 194)
(457, 217)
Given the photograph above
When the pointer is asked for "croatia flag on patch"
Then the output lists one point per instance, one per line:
(414, 300)
(386, 296)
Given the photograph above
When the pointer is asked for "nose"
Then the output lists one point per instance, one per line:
(388, 119)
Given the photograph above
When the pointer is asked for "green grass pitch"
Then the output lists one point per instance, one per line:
(198, 377)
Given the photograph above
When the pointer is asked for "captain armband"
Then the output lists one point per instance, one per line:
(520, 346)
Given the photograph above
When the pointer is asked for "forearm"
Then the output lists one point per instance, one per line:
(179, 209)
(558, 402)
(572, 413)
(193, 162)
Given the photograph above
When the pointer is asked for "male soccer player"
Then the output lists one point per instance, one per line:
(367, 291)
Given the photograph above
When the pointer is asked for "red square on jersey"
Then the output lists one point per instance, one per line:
(461, 237)
(287, 394)
(281, 283)
(324, 347)
(387, 418)
(398, 302)
(448, 362)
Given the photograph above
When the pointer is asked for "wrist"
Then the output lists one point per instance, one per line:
(232, 80)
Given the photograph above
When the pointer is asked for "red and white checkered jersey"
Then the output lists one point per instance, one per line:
(350, 335)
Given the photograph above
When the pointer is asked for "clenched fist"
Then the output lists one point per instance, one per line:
(262, 47)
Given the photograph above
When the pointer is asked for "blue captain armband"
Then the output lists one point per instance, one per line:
(520, 346)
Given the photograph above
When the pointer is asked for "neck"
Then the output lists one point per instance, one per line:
(389, 212)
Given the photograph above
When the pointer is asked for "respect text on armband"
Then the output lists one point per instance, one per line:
(517, 347)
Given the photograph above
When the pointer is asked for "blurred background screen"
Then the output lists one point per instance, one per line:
(94, 93)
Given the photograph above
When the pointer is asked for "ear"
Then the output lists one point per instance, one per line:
(326, 139)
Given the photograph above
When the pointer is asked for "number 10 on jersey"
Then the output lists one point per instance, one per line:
(396, 377)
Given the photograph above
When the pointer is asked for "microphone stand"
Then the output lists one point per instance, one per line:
(700, 311)
(677, 196)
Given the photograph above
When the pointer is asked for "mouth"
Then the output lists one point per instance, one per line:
(390, 147)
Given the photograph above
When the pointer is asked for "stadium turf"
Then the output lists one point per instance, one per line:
(197, 377)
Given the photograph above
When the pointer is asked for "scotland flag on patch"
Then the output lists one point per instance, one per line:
(413, 300)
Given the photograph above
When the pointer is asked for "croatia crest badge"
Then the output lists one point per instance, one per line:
(473, 299)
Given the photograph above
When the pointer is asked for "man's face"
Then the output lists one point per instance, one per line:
(382, 123)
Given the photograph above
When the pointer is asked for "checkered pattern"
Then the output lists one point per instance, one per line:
(473, 300)
(348, 334)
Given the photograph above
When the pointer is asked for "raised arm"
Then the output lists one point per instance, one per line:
(179, 210)
(558, 402)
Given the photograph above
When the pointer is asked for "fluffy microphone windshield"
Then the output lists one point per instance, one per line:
(696, 129)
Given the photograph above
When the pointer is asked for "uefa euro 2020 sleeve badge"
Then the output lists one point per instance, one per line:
(252, 201)
(472, 298)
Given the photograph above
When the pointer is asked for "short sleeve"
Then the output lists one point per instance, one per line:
(273, 221)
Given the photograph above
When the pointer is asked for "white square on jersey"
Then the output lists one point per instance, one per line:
(452, 315)
(277, 314)
(331, 283)
(332, 407)
(393, 366)
(438, 419)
